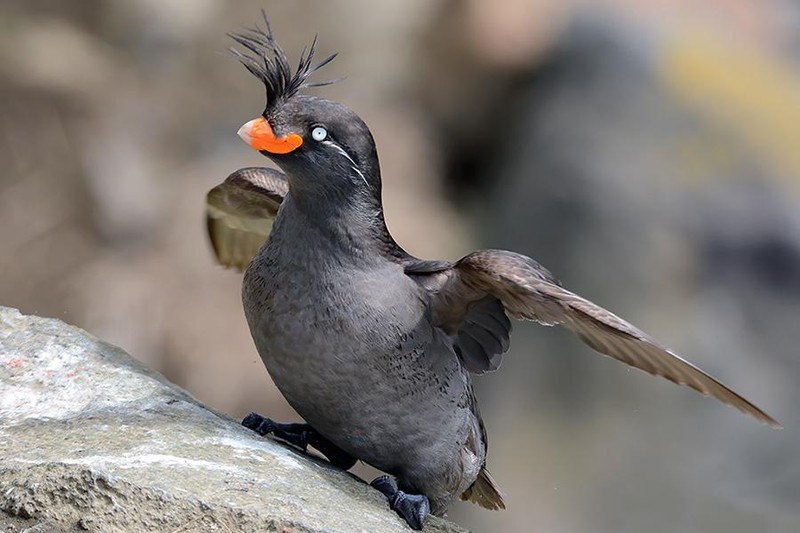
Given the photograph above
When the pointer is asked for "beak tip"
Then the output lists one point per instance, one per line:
(244, 132)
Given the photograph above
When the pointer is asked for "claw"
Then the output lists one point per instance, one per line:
(413, 508)
(300, 435)
(259, 424)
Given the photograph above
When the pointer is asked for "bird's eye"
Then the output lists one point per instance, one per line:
(319, 133)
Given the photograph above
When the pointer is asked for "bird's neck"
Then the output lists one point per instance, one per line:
(353, 224)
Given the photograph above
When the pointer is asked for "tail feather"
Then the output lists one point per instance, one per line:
(485, 492)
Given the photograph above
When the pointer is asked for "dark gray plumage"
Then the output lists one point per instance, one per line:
(373, 347)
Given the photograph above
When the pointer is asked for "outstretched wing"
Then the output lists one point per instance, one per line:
(240, 212)
(528, 291)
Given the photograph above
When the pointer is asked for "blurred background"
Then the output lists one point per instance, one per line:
(647, 152)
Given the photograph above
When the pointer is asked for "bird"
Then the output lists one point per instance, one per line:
(374, 348)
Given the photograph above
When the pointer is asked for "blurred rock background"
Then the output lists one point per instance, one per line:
(647, 152)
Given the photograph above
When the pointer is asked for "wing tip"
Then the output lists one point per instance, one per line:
(761, 416)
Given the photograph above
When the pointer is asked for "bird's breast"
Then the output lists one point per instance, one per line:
(328, 310)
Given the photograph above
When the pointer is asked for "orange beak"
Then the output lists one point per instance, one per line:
(259, 135)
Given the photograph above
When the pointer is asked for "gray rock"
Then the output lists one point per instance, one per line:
(90, 439)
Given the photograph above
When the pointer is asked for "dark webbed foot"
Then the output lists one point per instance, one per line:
(302, 436)
(413, 508)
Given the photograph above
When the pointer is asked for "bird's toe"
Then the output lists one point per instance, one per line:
(413, 508)
(259, 424)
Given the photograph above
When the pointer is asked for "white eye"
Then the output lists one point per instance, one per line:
(319, 133)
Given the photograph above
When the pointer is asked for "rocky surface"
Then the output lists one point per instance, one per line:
(90, 439)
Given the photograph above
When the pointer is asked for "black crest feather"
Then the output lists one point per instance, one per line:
(266, 60)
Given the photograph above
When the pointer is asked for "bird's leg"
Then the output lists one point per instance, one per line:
(302, 436)
(413, 508)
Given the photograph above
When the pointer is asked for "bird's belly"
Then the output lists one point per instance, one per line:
(373, 377)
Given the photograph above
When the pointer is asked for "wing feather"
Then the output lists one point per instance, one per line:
(240, 212)
(529, 292)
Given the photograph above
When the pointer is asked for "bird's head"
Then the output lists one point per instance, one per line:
(321, 145)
